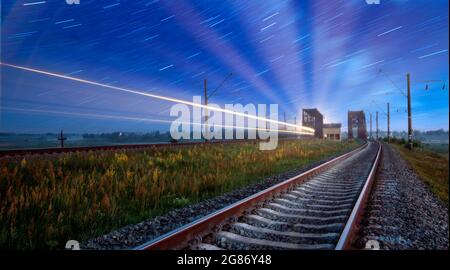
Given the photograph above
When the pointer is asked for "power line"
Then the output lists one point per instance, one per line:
(427, 82)
(392, 82)
(399, 109)
(155, 96)
(220, 85)
(379, 107)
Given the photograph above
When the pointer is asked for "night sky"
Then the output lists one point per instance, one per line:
(298, 54)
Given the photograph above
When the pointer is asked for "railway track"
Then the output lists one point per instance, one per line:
(318, 209)
(54, 150)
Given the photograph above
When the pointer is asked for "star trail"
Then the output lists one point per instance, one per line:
(297, 54)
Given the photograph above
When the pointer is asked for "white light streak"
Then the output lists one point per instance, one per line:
(59, 22)
(110, 6)
(72, 26)
(152, 37)
(276, 13)
(373, 64)
(216, 23)
(389, 31)
(138, 119)
(431, 54)
(34, 3)
(194, 55)
(165, 98)
(166, 67)
(168, 18)
(264, 28)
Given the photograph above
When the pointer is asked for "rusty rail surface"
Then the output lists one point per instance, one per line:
(181, 237)
(352, 226)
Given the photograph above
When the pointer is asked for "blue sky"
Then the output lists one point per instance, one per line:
(298, 54)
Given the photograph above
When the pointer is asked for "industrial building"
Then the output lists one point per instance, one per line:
(332, 131)
(312, 118)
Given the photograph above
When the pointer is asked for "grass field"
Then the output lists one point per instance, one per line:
(46, 201)
(431, 166)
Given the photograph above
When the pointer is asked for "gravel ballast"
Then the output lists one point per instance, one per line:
(402, 213)
(134, 235)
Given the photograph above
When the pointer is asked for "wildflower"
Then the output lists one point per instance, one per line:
(105, 201)
(121, 157)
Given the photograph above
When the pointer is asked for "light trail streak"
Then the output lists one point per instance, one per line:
(34, 3)
(389, 31)
(175, 100)
(373, 64)
(431, 54)
(128, 118)
(265, 19)
(89, 115)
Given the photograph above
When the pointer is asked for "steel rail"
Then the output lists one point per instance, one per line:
(181, 237)
(352, 226)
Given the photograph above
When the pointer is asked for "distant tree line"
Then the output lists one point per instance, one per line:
(154, 136)
(403, 141)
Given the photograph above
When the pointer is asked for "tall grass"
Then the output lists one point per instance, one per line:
(45, 201)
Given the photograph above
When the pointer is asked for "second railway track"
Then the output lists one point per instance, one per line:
(56, 150)
(318, 209)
